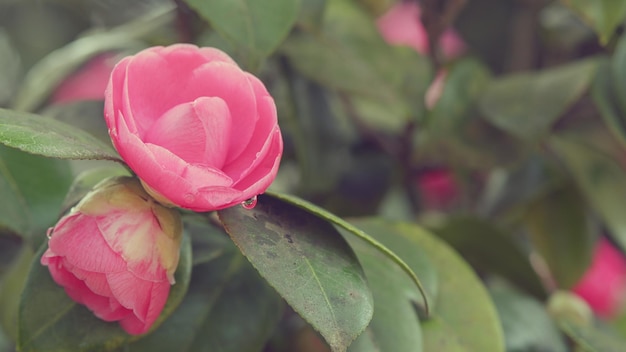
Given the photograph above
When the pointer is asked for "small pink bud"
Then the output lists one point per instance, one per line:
(116, 253)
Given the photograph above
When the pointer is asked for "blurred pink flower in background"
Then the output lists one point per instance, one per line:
(88, 82)
(200, 132)
(116, 253)
(401, 25)
(603, 286)
(437, 188)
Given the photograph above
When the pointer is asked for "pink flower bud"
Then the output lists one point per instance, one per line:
(604, 284)
(88, 82)
(116, 253)
(200, 132)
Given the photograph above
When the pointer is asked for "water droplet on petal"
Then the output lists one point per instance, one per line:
(49, 232)
(249, 203)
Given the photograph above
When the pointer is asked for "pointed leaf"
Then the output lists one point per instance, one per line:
(601, 179)
(560, 232)
(47, 137)
(604, 16)
(50, 321)
(308, 262)
(592, 338)
(527, 104)
(603, 92)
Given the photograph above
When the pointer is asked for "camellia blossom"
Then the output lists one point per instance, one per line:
(604, 284)
(116, 253)
(200, 132)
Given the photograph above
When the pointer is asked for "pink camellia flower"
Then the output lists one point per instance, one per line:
(116, 253)
(401, 25)
(87, 83)
(604, 284)
(200, 133)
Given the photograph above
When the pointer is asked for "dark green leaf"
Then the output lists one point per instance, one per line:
(47, 137)
(601, 179)
(560, 232)
(308, 262)
(50, 321)
(617, 75)
(331, 218)
(257, 26)
(526, 324)
(604, 16)
(527, 104)
(463, 317)
(487, 249)
(31, 202)
(227, 305)
(603, 92)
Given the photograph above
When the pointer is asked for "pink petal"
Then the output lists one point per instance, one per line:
(78, 291)
(77, 238)
(88, 83)
(96, 282)
(229, 82)
(259, 177)
(259, 143)
(113, 95)
(197, 132)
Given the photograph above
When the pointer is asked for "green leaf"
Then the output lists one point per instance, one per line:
(560, 232)
(10, 68)
(463, 83)
(463, 318)
(308, 262)
(384, 84)
(395, 325)
(50, 321)
(227, 305)
(30, 202)
(315, 210)
(47, 137)
(527, 104)
(601, 180)
(256, 26)
(604, 16)
(603, 92)
(592, 338)
(526, 324)
(617, 74)
(11, 288)
(489, 250)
